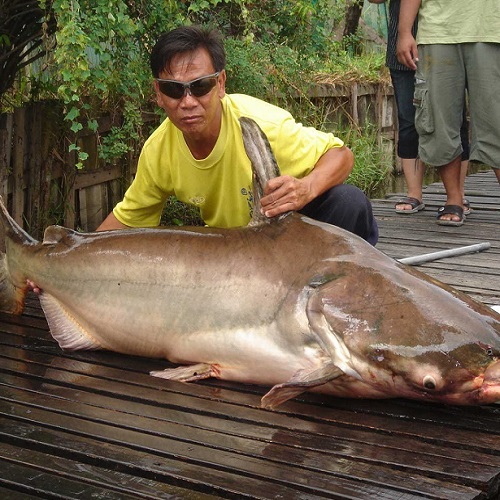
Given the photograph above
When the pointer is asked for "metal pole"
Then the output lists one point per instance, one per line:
(452, 252)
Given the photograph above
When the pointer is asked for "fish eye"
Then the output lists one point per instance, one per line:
(429, 382)
(488, 349)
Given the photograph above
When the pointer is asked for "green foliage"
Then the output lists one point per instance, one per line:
(369, 68)
(94, 51)
(177, 213)
(372, 164)
(100, 63)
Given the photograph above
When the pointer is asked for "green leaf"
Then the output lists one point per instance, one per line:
(72, 114)
(93, 125)
(76, 127)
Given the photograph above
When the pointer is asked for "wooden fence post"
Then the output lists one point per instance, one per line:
(6, 125)
(18, 165)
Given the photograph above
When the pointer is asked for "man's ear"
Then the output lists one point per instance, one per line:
(158, 93)
(221, 82)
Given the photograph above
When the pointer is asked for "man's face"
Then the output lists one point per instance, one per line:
(196, 117)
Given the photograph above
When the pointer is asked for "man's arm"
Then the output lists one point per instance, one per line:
(111, 222)
(407, 51)
(286, 193)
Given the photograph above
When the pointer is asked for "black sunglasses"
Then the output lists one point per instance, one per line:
(198, 88)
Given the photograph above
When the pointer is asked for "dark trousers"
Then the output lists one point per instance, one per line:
(347, 207)
(404, 87)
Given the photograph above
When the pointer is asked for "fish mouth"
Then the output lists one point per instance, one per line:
(487, 390)
(490, 390)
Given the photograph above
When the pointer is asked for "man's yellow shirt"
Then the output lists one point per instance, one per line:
(221, 184)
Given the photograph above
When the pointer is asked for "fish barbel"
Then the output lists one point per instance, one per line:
(287, 302)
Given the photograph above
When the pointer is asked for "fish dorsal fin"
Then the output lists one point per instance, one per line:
(264, 164)
(69, 334)
(55, 234)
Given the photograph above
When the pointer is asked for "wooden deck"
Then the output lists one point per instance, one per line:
(415, 234)
(96, 425)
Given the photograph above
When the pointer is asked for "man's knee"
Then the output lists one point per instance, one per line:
(347, 207)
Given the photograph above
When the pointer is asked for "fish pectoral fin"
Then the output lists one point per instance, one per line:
(302, 381)
(191, 373)
(64, 327)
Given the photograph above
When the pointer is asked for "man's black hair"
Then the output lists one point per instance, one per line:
(183, 40)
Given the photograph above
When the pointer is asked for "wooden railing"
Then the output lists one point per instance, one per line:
(39, 180)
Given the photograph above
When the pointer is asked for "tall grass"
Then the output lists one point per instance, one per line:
(373, 164)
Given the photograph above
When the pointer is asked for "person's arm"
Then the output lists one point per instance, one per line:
(407, 51)
(286, 193)
(111, 222)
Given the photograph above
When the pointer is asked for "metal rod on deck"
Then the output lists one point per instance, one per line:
(452, 252)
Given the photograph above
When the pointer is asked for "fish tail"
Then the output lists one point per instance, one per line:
(13, 287)
(11, 228)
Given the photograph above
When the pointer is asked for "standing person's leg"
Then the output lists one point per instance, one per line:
(464, 164)
(407, 148)
(483, 80)
(497, 173)
(413, 169)
(464, 168)
(440, 100)
(452, 213)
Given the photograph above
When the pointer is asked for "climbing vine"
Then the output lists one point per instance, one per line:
(99, 60)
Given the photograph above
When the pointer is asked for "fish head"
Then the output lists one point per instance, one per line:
(457, 370)
(397, 333)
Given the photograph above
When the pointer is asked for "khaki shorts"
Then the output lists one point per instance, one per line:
(443, 74)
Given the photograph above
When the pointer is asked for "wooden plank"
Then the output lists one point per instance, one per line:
(93, 204)
(18, 165)
(41, 474)
(87, 179)
(33, 160)
(6, 127)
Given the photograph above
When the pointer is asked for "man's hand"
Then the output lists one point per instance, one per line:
(285, 193)
(407, 51)
(33, 287)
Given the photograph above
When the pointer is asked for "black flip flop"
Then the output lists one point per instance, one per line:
(416, 205)
(467, 208)
(453, 210)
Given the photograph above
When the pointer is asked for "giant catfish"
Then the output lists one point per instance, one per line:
(287, 302)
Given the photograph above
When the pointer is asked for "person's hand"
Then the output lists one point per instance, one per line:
(407, 51)
(283, 194)
(33, 287)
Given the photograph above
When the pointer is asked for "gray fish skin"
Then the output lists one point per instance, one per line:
(287, 302)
